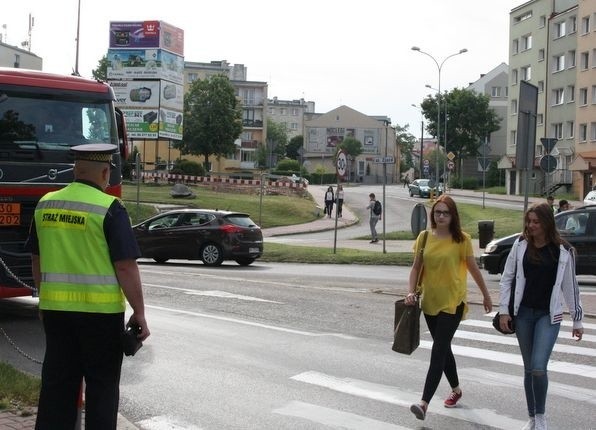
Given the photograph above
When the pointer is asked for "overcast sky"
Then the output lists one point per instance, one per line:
(333, 52)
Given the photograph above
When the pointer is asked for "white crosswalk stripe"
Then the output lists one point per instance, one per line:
(478, 337)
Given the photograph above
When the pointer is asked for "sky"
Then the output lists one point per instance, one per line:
(333, 52)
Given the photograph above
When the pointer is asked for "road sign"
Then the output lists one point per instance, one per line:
(548, 163)
(548, 143)
(483, 164)
(451, 156)
(341, 164)
(385, 160)
(450, 165)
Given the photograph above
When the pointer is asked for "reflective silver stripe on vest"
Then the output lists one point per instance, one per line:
(67, 278)
(75, 206)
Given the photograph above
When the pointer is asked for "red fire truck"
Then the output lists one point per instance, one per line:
(41, 116)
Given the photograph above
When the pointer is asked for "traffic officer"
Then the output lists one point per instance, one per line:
(84, 265)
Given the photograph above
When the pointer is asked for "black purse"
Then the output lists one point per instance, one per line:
(496, 318)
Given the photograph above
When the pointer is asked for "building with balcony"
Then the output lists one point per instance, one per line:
(289, 113)
(552, 47)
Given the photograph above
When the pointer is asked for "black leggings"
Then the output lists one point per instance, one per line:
(442, 328)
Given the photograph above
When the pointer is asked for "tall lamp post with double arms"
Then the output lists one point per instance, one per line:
(439, 68)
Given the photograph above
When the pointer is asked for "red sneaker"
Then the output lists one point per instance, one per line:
(452, 399)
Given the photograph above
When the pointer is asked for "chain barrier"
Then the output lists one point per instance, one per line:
(34, 294)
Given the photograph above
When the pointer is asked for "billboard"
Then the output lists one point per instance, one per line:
(146, 34)
(145, 64)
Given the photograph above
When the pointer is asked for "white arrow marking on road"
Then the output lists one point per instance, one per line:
(333, 417)
(389, 394)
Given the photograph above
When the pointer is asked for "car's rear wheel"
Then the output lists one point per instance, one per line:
(245, 261)
(160, 260)
(212, 255)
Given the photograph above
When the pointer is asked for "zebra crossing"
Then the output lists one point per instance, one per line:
(474, 339)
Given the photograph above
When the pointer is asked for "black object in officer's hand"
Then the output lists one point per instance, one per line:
(130, 343)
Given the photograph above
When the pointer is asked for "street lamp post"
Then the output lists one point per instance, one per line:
(439, 68)
(421, 139)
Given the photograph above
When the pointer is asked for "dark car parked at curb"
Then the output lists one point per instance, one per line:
(200, 234)
(422, 188)
(577, 226)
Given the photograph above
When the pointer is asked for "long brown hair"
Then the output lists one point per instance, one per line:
(454, 224)
(546, 218)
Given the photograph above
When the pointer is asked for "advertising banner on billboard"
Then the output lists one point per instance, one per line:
(141, 123)
(171, 96)
(146, 34)
(170, 124)
(145, 64)
(143, 94)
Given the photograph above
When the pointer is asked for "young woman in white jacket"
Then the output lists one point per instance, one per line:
(543, 267)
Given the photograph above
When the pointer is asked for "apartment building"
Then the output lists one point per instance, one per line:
(17, 58)
(552, 47)
(493, 84)
(289, 113)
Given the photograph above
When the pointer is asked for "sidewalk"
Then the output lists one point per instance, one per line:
(349, 218)
(25, 420)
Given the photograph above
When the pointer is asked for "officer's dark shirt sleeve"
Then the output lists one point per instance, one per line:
(122, 243)
(32, 245)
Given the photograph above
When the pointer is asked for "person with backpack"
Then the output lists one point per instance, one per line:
(376, 211)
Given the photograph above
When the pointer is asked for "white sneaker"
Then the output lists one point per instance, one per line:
(530, 425)
(540, 422)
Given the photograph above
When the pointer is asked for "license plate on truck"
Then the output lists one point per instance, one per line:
(10, 214)
(253, 250)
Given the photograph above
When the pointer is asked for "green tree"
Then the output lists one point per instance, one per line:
(294, 146)
(351, 146)
(277, 138)
(405, 141)
(469, 120)
(101, 72)
(212, 118)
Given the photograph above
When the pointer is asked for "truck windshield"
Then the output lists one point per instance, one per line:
(41, 126)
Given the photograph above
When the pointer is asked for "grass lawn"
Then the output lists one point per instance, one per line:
(17, 389)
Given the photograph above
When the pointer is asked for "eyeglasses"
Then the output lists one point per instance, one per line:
(442, 213)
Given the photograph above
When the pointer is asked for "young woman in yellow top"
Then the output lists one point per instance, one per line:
(448, 257)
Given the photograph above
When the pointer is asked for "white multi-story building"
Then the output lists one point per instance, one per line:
(11, 56)
(552, 46)
(289, 113)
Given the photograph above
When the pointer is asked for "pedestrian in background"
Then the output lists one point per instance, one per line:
(563, 206)
(329, 199)
(447, 258)
(543, 266)
(376, 212)
(550, 200)
(84, 265)
(339, 195)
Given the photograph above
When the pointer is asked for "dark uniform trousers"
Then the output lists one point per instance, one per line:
(80, 345)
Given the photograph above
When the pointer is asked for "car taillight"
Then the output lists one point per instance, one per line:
(228, 228)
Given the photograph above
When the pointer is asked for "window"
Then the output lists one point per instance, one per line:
(526, 42)
(540, 86)
(294, 126)
(586, 24)
(570, 128)
(192, 77)
(541, 54)
(558, 63)
(593, 131)
(522, 17)
(515, 46)
(558, 95)
(583, 132)
(495, 92)
(571, 58)
(559, 29)
(540, 119)
(513, 137)
(583, 96)
(594, 58)
(584, 60)
(572, 24)
(570, 93)
(271, 111)
(594, 94)
(514, 77)
(542, 21)
(526, 73)
(294, 112)
(283, 111)
(558, 130)
(17, 61)
(513, 107)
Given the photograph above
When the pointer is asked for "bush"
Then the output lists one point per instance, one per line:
(187, 167)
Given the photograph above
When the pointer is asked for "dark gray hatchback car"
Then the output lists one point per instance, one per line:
(200, 234)
(577, 226)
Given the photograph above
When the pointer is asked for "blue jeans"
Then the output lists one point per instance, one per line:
(536, 337)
